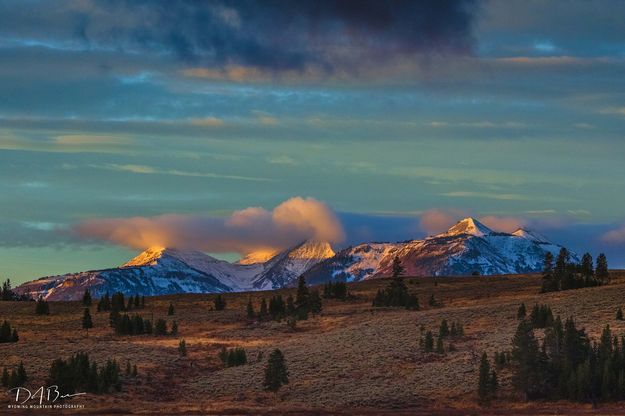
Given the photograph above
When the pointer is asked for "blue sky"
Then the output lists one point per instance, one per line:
(399, 116)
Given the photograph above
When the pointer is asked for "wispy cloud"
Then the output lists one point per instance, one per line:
(150, 170)
(486, 195)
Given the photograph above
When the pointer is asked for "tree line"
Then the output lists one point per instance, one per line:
(81, 374)
(306, 302)
(565, 274)
(567, 365)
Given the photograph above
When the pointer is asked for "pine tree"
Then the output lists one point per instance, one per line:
(160, 327)
(86, 298)
(398, 269)
(142, 301)
(137, 301)
(86, 319)
(525, 354)
(182, 348)
(429, 342)
(315, 302)
(619, 314)
(522, 312)
(134, 370)
(263, 309)
(128, 368)
(170, 310)
(220, 303)
(444, 329)
(250, 309)
(276, 373)
(601, 269)
(440, 348)
(42, 307)
(174, 328)
(5, 377)
(302, 299)
(484, 385)
(550, 283)
(586, 267)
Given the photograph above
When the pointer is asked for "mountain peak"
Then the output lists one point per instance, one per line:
(312, 249)
(152, 256)
(259, 256)
(530, 235)
(469, 226)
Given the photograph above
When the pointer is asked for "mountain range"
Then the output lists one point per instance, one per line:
(467, 248)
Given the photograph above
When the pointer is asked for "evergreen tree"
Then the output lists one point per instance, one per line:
(290, 306)
(522, 312)
(250, 309)
(5, 377)
(174, 328)
(550, 283)
(105, 303)
(170, 310)
(220, 303)
(7, 334)
(7, 293)
(137, 301)
(525, 354)
(182, 348)
(142, 301)
(86, 298)
(484, 380)
(398, 269)
(428, 344)
(86, 319)
(315, 302)
(263, 309)
(118, 303)
(619, 314)
(302, 299)
(42, 307)
(134, 370)
(276, 373)
(160, 327)
(444, 329)
(602, 269)
(586, 267)
(440, 348)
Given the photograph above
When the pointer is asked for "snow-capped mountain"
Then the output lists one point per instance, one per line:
(160, 271)
(467, 248)
(284, 269)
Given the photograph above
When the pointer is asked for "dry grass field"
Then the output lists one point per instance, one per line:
(352, 359)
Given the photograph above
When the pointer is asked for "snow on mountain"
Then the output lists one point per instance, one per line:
(469, 226)
(256, 257)
(160, 271)
(466, 248)
(284, 269)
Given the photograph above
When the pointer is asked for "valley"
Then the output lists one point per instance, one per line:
(351, 359)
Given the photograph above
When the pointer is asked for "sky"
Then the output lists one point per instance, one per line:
(234, 126)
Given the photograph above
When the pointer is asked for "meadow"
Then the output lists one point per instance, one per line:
(351, 359)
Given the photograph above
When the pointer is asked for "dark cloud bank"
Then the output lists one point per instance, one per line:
(272, 35)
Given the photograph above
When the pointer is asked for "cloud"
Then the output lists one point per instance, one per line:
(207, 122)
(616, 236)
(486, 195)
(244, 231)
(149, 170)
(503, 224)
(247, 38)
(435, 221)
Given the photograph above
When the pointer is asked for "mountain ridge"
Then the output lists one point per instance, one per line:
(468, 247)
